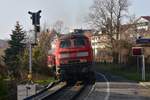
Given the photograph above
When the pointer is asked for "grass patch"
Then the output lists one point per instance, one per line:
(130, 73)
(45, 81)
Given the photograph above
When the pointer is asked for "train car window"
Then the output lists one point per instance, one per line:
(79, 42)
(65, 44)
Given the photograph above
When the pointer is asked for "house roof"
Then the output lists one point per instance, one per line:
(126, 27)
(146, 17)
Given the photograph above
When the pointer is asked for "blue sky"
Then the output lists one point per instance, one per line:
(140, 7)
(71, 12)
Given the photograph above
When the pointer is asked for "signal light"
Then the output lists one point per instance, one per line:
(137, 51)
(35, 16)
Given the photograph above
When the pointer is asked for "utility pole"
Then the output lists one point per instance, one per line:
(143, 68)
(30, 62)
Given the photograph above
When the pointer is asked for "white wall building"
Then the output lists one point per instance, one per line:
(143, 23)
(101, 45)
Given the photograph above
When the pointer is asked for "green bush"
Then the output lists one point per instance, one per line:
(3, 89)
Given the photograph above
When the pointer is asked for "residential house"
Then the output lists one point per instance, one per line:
(139, 29)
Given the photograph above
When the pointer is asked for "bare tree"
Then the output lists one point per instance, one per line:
(132, 19)
(120, 9)
(58, 26)
(108, 14)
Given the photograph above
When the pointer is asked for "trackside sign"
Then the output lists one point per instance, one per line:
(137, 51)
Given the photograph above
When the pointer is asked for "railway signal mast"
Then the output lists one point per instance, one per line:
(35, 16)
(25, 90)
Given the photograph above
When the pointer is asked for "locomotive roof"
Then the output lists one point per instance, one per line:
(71, 36)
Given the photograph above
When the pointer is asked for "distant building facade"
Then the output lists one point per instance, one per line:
(102, 48)
(143, 23)
(139, 29)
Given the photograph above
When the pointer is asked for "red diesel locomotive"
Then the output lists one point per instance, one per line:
(72, 58)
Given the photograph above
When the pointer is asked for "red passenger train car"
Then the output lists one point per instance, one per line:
(72, 57)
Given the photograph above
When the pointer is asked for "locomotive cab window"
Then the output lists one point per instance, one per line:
(78, 42)
(65, 44)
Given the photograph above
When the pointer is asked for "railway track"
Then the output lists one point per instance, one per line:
(47, 91)
(61, 91)
(70, 92)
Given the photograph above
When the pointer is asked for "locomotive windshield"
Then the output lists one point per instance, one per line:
(74, 42)
(79, 42)
(65, 44)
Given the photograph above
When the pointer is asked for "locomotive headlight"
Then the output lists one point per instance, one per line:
(64, 55)
(82, 54)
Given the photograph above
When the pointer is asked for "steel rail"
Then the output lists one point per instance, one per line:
(70, 92)
(37, 95)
